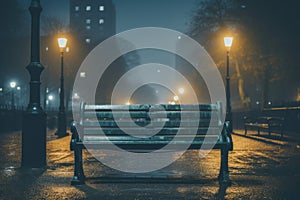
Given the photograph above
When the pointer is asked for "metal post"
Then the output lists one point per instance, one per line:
(13, 99)
(34, 118)
(62, 129)
(228, 100)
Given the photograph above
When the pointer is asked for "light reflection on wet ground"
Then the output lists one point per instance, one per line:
(259, 170)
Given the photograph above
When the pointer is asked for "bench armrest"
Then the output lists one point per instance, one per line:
(226, 134)
(75, 136)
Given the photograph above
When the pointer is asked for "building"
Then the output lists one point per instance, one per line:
(92, 21)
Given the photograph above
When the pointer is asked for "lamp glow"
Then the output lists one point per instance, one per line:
(50, 97)
(13, 84)
(181, 90)
(176, 98)
(228, 41)
(62, 42)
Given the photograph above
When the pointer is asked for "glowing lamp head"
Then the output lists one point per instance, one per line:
(176, 98)
(62, 42)
(181, 90)
(228, 41)
(13, 84)
(50, 97)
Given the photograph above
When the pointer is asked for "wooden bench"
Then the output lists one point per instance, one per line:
(264, 123)
(208, 125)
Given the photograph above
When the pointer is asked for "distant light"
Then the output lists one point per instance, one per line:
(243, 6)
(181, 90)
(88, 40)
(88, 8)
(269, 102)
(18, 88)
(176, 98)
(257, 102)
(82, 74)
(128, 103)
(158, 70)
(101, 8)
(172, 102)
(156, 91)
(101, 21)
(179, 37)
(50, 97)
(62, 42)
(88, 21)
(13, 84)
(76, 96)
(47, 48)
(228, 41)
(68, 49)
(1, 89)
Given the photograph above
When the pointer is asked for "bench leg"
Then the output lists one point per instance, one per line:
(245, 130)
(79, 177)
(224, 172)
(258, 131)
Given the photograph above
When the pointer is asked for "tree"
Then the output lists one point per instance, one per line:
(252, 58)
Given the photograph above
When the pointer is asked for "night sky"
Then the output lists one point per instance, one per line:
(133, 13)
(274, 23)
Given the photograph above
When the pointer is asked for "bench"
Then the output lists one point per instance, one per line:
(175, 118)
(269, 124)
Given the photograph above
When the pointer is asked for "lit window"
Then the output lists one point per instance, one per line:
(88, 8)
(101, 21)
(82, 74)
(88, 27)
(101, 8)
(76, 8)
(88, 40)
(88, 21)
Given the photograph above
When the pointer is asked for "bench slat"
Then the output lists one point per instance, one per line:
(155, 145)
(173, 123)
(165, 131)
(146, 107)
(154, 114)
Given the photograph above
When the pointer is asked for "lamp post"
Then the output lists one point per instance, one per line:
(34, 118)
(228, 43)
(12, 86)
(62, 129)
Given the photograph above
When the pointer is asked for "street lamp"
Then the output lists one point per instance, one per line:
(181, 90)
(228, 43)
(13, 86)
(62, 129)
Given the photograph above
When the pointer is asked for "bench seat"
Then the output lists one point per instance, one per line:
(268, 124)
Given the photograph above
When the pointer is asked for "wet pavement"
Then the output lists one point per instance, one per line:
(261, 167)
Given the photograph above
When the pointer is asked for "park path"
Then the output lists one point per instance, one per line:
(260, 169)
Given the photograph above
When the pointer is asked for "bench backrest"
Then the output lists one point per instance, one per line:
(142, 120)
